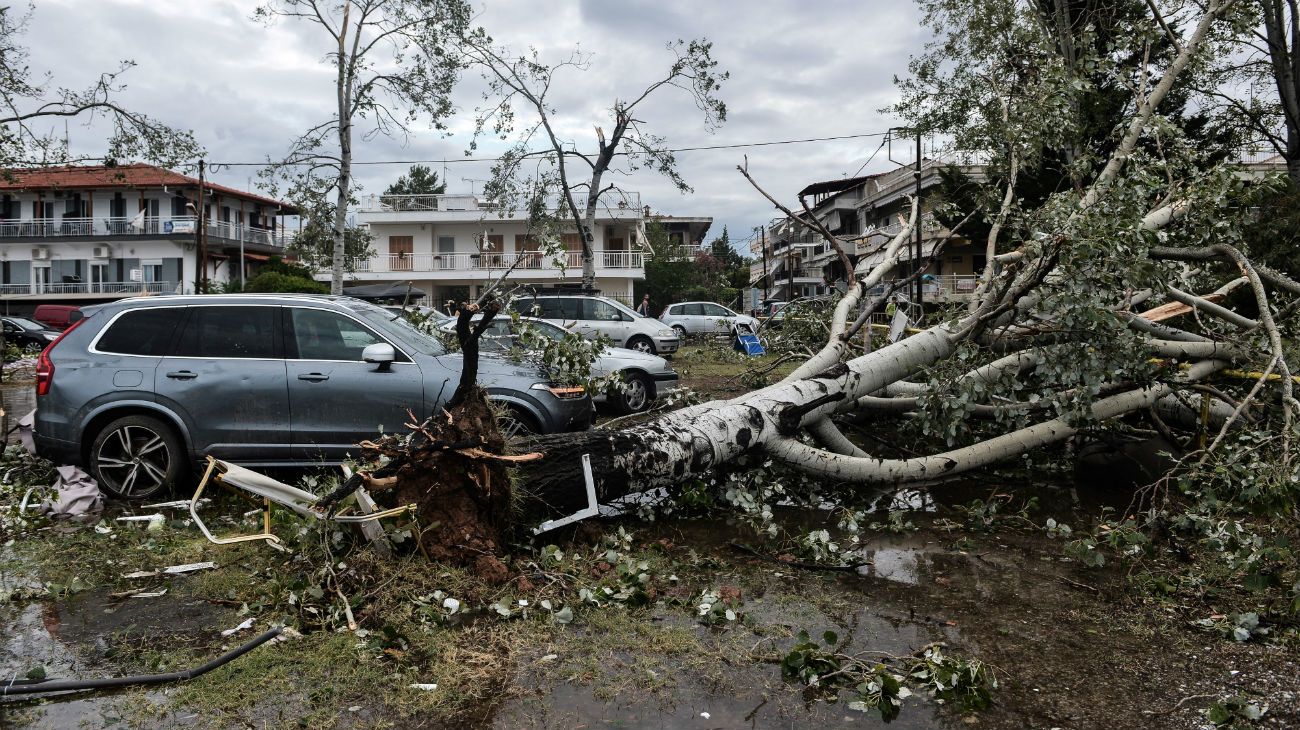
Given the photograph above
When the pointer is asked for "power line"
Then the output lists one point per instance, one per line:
(740, 145)
(883, 142)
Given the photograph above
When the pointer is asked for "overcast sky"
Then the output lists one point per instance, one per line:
(798, 69)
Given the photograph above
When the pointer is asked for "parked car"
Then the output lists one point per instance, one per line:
(56, 316)
(141, 390)
(593, 316)
(26, 334)
(705, 318)
(436, 316)
(646, 376)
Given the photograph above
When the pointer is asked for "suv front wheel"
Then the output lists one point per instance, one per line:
(136, 457)
(641, 344)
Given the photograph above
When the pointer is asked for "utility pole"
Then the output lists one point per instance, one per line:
(762, 230)
(916, 264)
(789, 270)
(201, 234)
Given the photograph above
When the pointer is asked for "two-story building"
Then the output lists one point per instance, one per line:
(864, 214)
(450, 246)
(93, 233)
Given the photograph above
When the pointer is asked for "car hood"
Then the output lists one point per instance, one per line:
(493, 367)
(618, 358)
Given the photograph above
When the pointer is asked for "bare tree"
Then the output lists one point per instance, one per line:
(28, 103)
(395, 64)
(522, 84)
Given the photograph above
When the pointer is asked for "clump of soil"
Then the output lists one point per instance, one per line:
(451, 469)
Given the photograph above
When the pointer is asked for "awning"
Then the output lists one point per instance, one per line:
(256, 257)
(383, 291)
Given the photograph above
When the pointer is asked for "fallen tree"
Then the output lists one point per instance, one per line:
(1059, 313)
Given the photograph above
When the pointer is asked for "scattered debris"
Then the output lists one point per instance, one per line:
(188, 568)
(152, 594)
(423, 686)
(243, 626)
(140, 574)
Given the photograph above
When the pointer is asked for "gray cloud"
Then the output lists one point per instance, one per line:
(798, 70)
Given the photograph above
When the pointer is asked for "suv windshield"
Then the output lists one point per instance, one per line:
(625, 309)
(399, 328)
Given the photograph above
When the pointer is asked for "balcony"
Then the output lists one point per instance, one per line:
(628, 203)
(627, 262)
(89, 287)
(175, 226)
(942, 288)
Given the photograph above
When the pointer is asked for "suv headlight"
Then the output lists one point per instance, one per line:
(666, 333)
(563, 392)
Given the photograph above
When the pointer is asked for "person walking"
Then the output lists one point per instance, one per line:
(643, 308)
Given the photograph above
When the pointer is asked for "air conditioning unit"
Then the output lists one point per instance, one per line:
(103, 252)
(40, 254)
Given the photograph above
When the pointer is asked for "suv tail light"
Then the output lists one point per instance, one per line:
(44, 367)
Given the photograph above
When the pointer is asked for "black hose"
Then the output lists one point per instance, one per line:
(34, 686)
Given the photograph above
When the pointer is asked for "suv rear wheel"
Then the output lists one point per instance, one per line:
(136, 457)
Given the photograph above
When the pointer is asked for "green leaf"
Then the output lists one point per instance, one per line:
(830, 638)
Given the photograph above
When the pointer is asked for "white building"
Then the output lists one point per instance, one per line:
(451, 246)
(94, 233)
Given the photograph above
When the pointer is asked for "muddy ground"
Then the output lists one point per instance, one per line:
(1072, 647)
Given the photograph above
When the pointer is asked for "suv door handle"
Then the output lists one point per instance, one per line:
(182, 375)
(313, 377)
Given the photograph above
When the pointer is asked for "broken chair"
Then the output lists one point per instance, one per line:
(272, 491)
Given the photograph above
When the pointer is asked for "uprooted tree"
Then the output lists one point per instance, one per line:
(1064, 335)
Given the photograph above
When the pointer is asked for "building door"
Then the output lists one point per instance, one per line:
(41, 279)
(573, 247)
(529, 249)
(97, 277)
(446, 252)
(400, 249)
(615, 254)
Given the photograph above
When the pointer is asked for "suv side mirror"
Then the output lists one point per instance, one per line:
(381, 354)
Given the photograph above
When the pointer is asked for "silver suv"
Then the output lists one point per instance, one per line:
(140, 390)
(592, 317)
(705, 318)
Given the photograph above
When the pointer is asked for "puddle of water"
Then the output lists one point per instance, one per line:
(754, 701)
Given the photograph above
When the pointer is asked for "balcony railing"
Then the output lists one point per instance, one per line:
(610, 201)
(495, 261)
(174, 226)
(943, 286)
(89, 287)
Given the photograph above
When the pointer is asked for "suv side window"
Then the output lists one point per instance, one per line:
(319, 334)
(675, 310)
(229, 332)
(594, 309)
(142, 332)
(692, 310)
(713, 310)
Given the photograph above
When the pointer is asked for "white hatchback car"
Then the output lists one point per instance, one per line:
(592, 316)
(705, 318)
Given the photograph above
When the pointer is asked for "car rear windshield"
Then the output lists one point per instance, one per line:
(26, 324)
(141, 332)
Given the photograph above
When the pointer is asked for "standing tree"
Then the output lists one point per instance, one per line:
(28, 105)
(521, 85)
(394, 63)
(419, 180)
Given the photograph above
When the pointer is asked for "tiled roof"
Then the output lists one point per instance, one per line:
(84, 177)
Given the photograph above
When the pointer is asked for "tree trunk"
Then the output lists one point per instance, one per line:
(344, 93)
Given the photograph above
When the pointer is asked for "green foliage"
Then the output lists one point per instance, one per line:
(419, 180)
(882, 682)
(1235, 711)
(278, 275)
